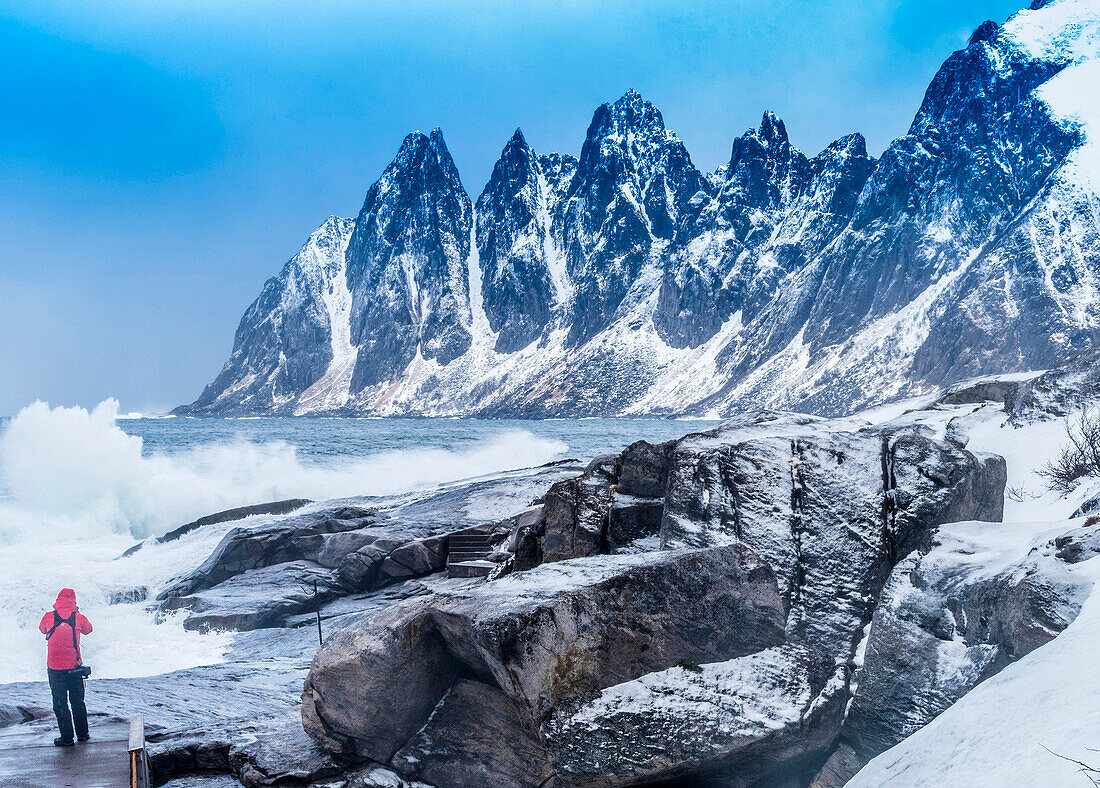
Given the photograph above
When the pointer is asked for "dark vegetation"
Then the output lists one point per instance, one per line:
(1079, 459)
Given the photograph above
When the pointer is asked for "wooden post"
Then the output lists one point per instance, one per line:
(139, 759)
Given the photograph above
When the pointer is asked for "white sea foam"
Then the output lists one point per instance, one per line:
(76, 490)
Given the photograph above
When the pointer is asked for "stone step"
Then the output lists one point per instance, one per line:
(470, 569)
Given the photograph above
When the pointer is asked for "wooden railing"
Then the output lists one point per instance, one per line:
(139, 759)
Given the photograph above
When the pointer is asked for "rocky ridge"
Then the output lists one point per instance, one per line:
(626, 281)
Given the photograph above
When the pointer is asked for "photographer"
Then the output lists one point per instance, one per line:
(63, 627)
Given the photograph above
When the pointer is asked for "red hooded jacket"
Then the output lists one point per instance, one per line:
(60, 654)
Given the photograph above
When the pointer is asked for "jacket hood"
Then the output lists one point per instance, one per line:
(66, 602)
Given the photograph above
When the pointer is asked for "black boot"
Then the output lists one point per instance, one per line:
(59, 742)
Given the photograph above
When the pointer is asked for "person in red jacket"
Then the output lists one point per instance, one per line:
(63, 627)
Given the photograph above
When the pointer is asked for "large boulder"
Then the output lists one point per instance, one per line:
(373, 684)
(738, 720)
(576, 512)
(983, 597)
(562, 630)
(475, 736)
(543, 637)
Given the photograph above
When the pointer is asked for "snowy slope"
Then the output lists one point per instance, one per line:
(1011, 729)
(628, 282)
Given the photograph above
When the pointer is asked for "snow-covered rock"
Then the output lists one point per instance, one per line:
(758, 549)
(626, 281)
(984, 596)
(1030, 725)
(753, 716)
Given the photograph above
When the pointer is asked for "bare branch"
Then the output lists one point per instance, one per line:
(1091, 773)
(1078, 459)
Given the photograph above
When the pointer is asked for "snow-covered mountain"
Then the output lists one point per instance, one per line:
(629, 282)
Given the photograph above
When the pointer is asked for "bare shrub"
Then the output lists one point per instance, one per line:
(1079, 459)
(1018, 493)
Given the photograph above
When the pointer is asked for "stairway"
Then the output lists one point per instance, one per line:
(468, 554)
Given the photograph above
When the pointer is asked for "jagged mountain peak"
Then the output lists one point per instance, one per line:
(773, 131)
(849, 146)
(630, 128)
(764, 168)
(517, 139)
(625, 281)
(984, 32)
(516, 147)
(424, 153)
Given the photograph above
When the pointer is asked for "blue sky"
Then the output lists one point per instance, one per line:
(160, 160)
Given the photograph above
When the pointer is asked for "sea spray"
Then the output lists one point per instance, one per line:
(77, 490)
(77, 475)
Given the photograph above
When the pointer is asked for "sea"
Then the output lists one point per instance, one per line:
(78, 487)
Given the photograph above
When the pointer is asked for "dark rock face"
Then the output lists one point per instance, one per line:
(373, 685)
(626, 281)
(949, 619)
(475, 736)
(634, 181)
(830, 512)
(576, 512)
(604, 621)
(407, 263)
(734, 570)
(516, 244)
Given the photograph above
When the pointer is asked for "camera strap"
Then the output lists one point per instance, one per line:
(71, 621)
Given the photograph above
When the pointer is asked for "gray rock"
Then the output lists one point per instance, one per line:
(125, 595)
(475, 736)
(643, 470)
(829, 510)
(1057, 392)
(542, 637)
(576, 514)
(840, 767)
(743, 719)
(950, 619)
(373, 684)
(565, 629)
(631, 519)
(974, 392)
(258, 599)
(299, 537)
(1091, 506)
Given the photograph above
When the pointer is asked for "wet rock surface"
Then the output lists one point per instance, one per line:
(754, 553)
(262, 575)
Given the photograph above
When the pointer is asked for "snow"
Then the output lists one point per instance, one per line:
(479, 320)
(334, 387)
(1068, 32)
(739, 697)
(1007, 730)
(555, 260)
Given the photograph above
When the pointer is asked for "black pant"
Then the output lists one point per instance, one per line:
(68, 690)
